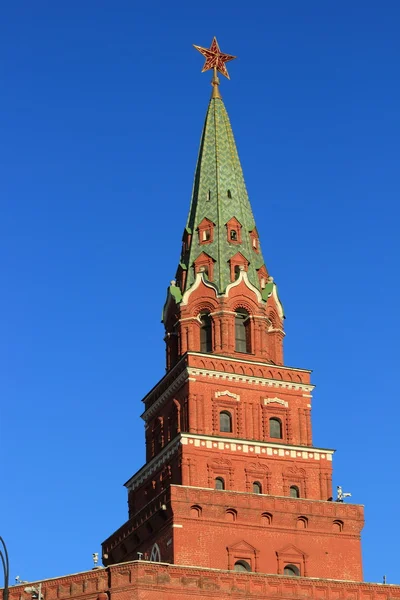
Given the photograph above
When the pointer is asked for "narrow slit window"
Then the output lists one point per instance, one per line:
(205, 333)
(242, 331)
(229, 194)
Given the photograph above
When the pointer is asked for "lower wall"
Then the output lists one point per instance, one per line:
(141, 580)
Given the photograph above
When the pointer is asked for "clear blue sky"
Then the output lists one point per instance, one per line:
(101, 109)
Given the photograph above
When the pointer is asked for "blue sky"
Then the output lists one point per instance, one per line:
(101, 109)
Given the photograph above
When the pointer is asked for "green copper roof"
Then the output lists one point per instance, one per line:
(219, 194)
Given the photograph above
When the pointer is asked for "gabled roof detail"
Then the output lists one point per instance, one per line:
(220, 196)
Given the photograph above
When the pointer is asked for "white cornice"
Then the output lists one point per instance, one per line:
(242, 446)
(154, 464)
(250, 446)
(173, 387)
(290, 385)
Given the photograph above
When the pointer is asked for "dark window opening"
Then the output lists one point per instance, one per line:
(292, 571)
(233, 235)
(229, 194)
(225, 421)
(294, 491)
(242, 566)
(205, 333)
(209, 195)
(237, 271)
(242, 331)
(257, 487)
(219, 483)
(206, 235)
(275, 428)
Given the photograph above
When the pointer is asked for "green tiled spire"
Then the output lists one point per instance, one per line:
(219, 194)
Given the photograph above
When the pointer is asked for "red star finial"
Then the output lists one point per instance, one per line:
(215, 59)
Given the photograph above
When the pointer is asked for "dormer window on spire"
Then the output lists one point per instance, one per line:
(238, 263)
(255, 242)
(234, 231)
(204, 263)
(206, 231)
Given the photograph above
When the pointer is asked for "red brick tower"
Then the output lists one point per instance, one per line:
(232, 480)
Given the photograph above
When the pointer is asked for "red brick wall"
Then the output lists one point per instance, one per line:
(142, 580)
(278, 531)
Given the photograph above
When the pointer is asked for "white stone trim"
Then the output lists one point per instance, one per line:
(256, 447)
(175, 385)
(227, 393)
(276, 401)
(278, 302)
(200, 278)
(290, 385)
(243, 277)
(152, 466)
(228, 444)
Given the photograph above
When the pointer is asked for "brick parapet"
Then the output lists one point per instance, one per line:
(144, 580)
(318, 509)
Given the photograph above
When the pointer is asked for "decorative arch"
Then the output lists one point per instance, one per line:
(220, 468)
(337, 526)
(155, 554)
(256, 472)
(196, 511)
(243, 551)
(295, 478)
(230, 514)
(302, 523)
(266, 518)
(291, 555)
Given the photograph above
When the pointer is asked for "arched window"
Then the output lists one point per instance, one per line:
(205, 333)
(225, 421)
(257, 489)
(233, 235)
(294, 491)
(242, 566)
(291, 570)
(275, 428)
(219, 483)
(242, 331)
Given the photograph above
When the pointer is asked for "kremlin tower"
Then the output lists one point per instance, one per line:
(232, 480)
(234, 500)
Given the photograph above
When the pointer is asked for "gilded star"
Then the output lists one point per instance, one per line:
(215, 59)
